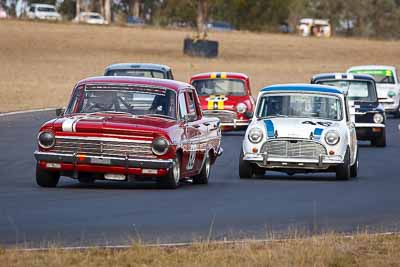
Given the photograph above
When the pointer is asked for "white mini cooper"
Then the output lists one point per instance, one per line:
(300, 128)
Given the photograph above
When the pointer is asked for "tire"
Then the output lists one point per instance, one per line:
(171, 180)
(354, 168)
(46, 178)
(380, 141)
(246, 169)
(202, 177)
(258, 171)
(343, 170)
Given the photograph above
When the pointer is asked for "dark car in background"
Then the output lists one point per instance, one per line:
(140, 70)
(365, 109)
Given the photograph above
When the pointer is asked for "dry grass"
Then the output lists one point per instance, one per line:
(328, 250)
(41, 61)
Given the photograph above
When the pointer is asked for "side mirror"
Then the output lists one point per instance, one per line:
(249, 114)
(60, 112)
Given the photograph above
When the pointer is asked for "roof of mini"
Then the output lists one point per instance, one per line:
(146, 66)
(372, 67)
(229, 75)
(170, 84)
(303, 88)
(342, 76)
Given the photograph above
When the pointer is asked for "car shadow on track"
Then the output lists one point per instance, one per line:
(301, 177)
(105, 185)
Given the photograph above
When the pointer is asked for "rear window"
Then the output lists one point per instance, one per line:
(380, 76)
(46, 9)
(138, 73)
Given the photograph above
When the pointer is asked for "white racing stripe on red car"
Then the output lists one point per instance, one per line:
(69, 125)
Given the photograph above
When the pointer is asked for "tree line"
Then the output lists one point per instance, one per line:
(369, 18)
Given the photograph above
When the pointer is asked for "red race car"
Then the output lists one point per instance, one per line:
(129, 128)
(226, 96)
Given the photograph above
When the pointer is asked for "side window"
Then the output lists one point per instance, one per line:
(32, 9)
(191, 105)
(170, 75)
(182, 105)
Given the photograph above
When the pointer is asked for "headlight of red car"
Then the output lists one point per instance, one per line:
(46, 139)
(160, 146)
(241, 108)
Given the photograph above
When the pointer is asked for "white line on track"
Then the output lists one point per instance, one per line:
(188, 244)
(25, 111)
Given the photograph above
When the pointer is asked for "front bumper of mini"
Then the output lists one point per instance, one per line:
(264, 160)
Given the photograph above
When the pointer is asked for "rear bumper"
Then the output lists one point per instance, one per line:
(71, 162)
(323, 162)
(390, 104)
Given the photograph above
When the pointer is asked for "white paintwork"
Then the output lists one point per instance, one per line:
(90, 18)
(34, 12)
(295, 129)
(390, 104)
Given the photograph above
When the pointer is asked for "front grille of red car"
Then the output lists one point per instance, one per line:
(224, 116)
(304, 149)
(103, 147)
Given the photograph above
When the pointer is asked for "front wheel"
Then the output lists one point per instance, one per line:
(354, 168)
(246, 169)
(172, 179)
(46, 178)
(343, 170)
(202, 177)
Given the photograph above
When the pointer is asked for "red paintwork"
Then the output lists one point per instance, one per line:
(232, 101)
(144, 128)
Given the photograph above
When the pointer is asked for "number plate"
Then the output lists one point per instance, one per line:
(100, 161)
(114, 177)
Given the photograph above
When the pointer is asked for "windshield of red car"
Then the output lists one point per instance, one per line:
(357, 90)
(220, 87)
(124, 99)
(137, 73)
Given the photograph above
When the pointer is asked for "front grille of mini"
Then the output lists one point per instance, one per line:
(293, 149)
(223, 116)
(103, 148)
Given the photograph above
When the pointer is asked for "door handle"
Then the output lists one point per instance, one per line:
(196, 126)
(206, 124)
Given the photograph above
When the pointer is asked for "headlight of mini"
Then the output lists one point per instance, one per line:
(46, 139)
(241, 108)
(255, 135)
(391, 94)
(378, 118)
(332, 137)
(160, 146)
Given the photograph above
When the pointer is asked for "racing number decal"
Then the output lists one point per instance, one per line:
(192, 157)
(216, 102)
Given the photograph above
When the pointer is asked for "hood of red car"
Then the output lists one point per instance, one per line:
(226, 102)
(113, 124)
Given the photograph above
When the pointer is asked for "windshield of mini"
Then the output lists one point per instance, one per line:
(298, 105)
(46, 9)
(220, 87)
(137, 73)
(380, 76)
(134, 100)
(356, 90)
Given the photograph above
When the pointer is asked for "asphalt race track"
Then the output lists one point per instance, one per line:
(108, 213)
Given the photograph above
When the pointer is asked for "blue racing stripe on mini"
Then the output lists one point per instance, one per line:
(270, 128)
(318, 133)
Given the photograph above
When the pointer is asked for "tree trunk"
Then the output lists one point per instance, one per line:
(102, 11)
(134, 8)
(201, 18)
(107, 10)
(78, 8)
